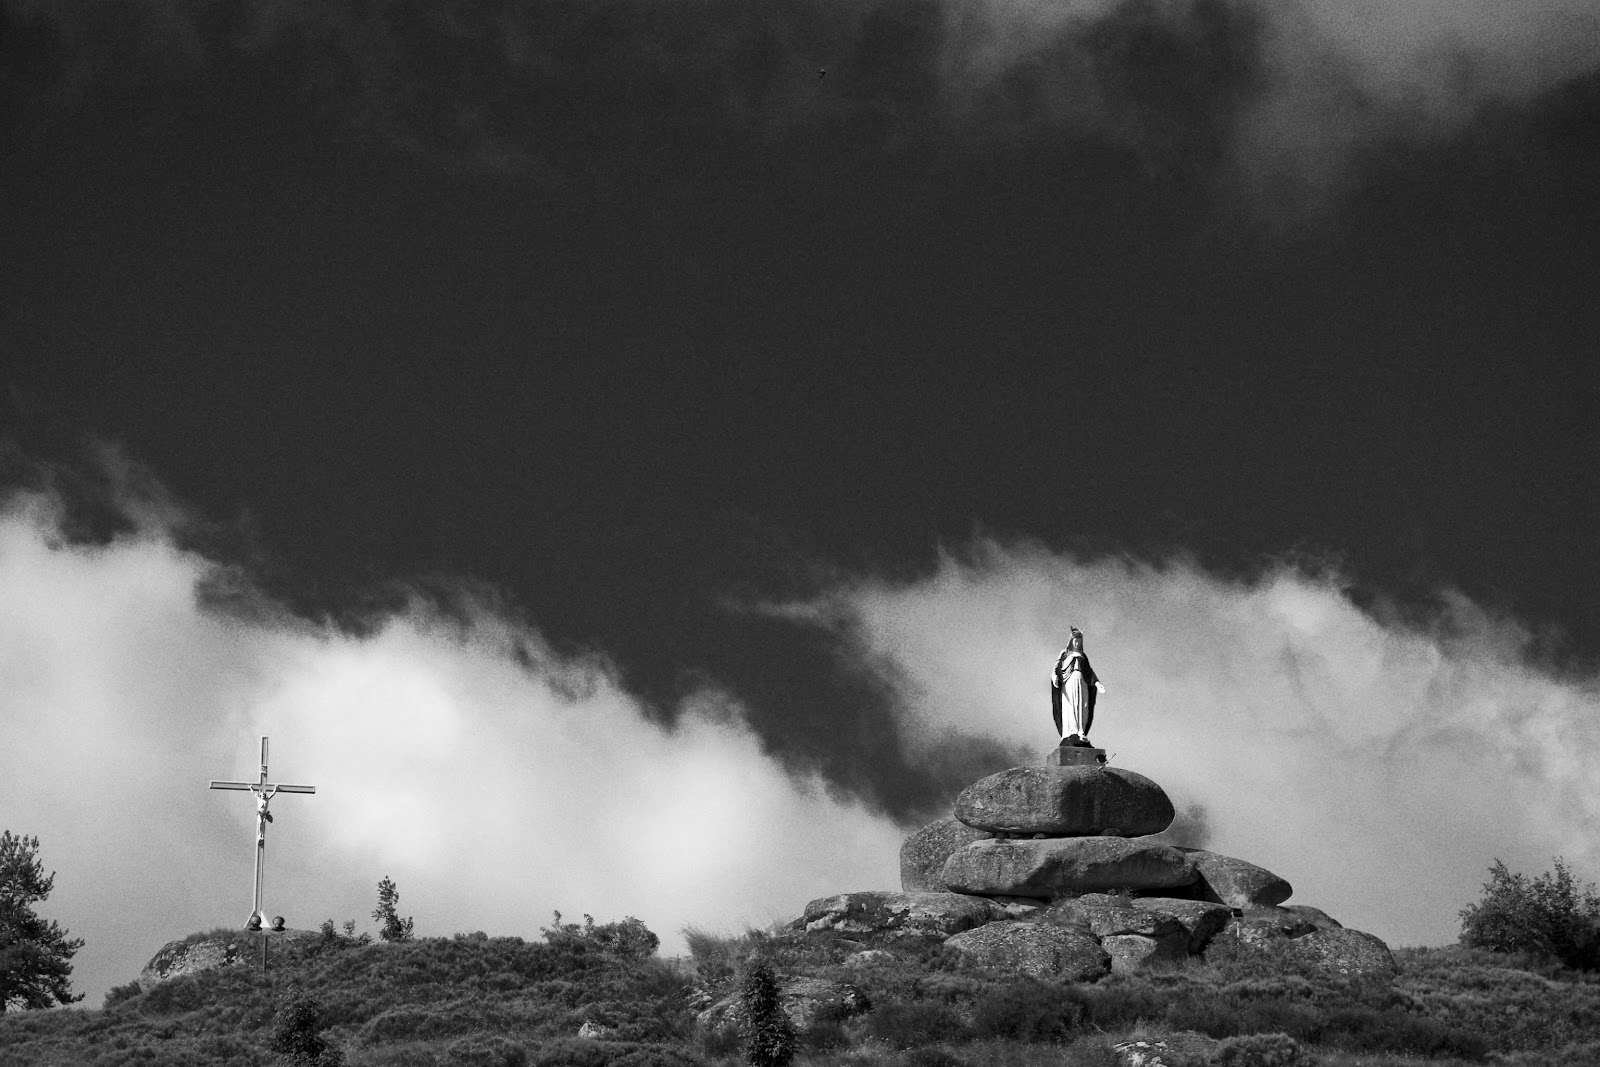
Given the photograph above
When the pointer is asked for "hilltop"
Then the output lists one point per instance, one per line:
(586, 997)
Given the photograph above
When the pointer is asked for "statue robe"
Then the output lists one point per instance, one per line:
(1075, 681)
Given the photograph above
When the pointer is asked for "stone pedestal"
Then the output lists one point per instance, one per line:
(1075, 756)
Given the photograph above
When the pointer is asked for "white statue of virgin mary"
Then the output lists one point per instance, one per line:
(1074, 686)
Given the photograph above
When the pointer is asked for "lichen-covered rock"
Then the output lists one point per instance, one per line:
(186, 956)
(1346, 952)
(923, 854)
(1065, 866)
(1234, 882)
(1037, 949)
(1077, 800)
(1105, 916)
(1201, 918)
(1134, 952)
(876, 911)
(1183, 1049)
(1258, 925)
(807, 1001)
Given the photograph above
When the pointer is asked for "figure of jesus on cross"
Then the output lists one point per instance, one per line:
(264, 791)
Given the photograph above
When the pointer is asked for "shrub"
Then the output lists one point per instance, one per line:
(1030, 1011)
(630, 938)
(120, 993)
(933, 1056)
(1257, 1050)
(1092, 1050)
(1550, 914)
(485, 1050)
(296, 1034)
(908, 1025)
(769, 1038)
(715, 958)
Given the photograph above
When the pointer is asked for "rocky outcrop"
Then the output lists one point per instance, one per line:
(1136, 952)
(1201, 919)
(1037, 949)
(1259, 925)
(806, 1001)
(1038, 863)
(1065, 866)
(1350, 953)
(218, 949)
(1066, 801)
(934, 914)
(1225, 880)
(923, 854)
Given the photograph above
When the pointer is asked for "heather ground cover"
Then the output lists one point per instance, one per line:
(507, 1002)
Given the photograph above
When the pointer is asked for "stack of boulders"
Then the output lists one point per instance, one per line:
(1056, 870)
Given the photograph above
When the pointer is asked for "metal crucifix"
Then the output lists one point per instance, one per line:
(264, 791)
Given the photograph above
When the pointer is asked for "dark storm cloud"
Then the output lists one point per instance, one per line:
(688, 93)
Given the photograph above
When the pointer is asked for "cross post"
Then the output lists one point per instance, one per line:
(264, 792)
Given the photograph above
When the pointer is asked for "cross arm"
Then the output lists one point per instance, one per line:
(233, 785)
(295, 788)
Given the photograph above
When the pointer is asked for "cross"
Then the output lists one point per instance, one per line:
(264, 791)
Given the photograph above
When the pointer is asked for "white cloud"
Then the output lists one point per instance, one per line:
(484, 787)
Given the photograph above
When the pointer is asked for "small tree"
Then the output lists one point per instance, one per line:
(769, 1038)
(297, 1034)
(393, 928)
(35, 955)
(1550, 915)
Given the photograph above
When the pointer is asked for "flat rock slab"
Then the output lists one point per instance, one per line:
(1105, 916)
(1234, 882)
(1201, 918)
(935, 914)
(1035, 949)
(923, 854)
(1175, 1050)
(1086, 799)
(1065, 866)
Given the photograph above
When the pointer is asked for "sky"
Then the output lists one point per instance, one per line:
(648, 455)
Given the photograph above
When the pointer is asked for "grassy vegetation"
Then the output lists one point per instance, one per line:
(504, 1002)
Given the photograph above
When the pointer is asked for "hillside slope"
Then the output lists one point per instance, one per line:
(892, 1001)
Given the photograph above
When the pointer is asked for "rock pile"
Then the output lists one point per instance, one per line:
(1054, 870)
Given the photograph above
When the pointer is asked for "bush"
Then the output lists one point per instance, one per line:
(630, 938)
(1031, 1011)
(485, 1050)
(1257, 1050)
(769, 1038)
(1550, 914)
(121, 993)
(715, 958)
(296, 1034)
(933, 1056)
(908, 1025)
